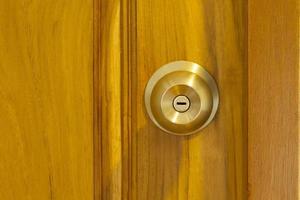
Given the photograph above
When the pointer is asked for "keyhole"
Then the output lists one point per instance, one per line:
(181, 103)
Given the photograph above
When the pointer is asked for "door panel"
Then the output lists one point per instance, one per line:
(46, 99)
(148, 163)
(273, 99)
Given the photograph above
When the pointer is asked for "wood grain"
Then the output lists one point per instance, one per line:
(46, 77)
(150, 164)
(273, 99)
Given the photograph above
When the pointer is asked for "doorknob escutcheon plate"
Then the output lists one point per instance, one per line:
(181, 98)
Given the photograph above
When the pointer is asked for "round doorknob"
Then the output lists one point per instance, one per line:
(181, 98)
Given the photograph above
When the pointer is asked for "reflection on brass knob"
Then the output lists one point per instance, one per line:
(181, 98)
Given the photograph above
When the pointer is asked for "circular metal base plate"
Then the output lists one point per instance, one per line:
(181, 98)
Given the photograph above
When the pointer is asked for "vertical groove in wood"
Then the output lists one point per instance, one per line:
(125, 105)
(273, 49)
(107, 100)
(125, 93)
(96, 101)
(128, 43)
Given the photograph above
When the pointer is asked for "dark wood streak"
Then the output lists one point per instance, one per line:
(96, 101)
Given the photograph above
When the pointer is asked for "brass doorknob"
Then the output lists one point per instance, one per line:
(181, 98)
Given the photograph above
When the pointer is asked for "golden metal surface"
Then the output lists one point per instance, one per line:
(181, 98)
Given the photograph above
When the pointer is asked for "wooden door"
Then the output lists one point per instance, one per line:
(136, 159)
(73, 124)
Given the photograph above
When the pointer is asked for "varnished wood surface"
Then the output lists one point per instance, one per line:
(147, 163)
(46, 111)
(273, 99)
(51, 92)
